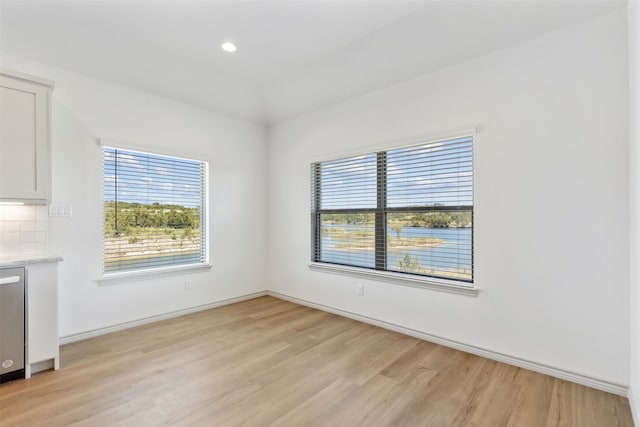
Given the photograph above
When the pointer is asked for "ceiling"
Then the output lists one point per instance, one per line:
(293, 56)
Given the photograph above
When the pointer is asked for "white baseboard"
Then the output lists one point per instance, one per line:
(126, 325)
(588, 381)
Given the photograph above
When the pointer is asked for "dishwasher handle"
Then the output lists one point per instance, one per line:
(8, 280)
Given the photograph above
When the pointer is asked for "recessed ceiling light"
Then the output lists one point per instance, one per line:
(229, 47)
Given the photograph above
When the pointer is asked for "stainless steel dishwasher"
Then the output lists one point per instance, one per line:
(12, 324)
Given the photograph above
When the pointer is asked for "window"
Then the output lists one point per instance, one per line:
(154, 211)
(406, 210)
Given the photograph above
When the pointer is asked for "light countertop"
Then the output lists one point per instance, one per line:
(22, 260)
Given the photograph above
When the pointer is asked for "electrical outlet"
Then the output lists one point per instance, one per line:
(360, 289)
(187, 284)
(60, 210)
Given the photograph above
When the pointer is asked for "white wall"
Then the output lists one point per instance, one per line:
(634, 195)
(84, 109)
(551, 199)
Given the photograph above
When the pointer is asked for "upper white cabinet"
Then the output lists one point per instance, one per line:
(25, 133)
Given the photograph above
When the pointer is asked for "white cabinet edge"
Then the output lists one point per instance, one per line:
(28, 77)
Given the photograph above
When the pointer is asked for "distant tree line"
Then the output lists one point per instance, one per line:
(123, 216)
(348, 218)
(439, 219)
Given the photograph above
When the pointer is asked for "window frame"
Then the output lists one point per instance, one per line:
(118, 277)
(379, 271)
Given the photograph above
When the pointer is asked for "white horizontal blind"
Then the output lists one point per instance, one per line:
(407, 210)
(349, 183)
(430, 209)
(154, 211)
(437, 173)
(347, 194)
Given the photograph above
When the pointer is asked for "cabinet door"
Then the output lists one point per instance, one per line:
(24, 140)
(42, 312)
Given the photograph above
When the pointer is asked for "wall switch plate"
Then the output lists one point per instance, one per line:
(60, 210)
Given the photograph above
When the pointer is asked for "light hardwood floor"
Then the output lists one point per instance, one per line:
(269, 362)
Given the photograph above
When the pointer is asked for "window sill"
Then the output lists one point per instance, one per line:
(441, 285)
(116, 278)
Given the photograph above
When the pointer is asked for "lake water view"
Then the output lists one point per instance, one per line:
(441, 252)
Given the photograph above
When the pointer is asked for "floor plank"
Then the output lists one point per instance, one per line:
(271, 362)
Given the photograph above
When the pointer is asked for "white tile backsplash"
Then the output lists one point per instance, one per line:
(23, 229)
(10, 225)
(12, 236)
(27, 226)
(42, 213)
